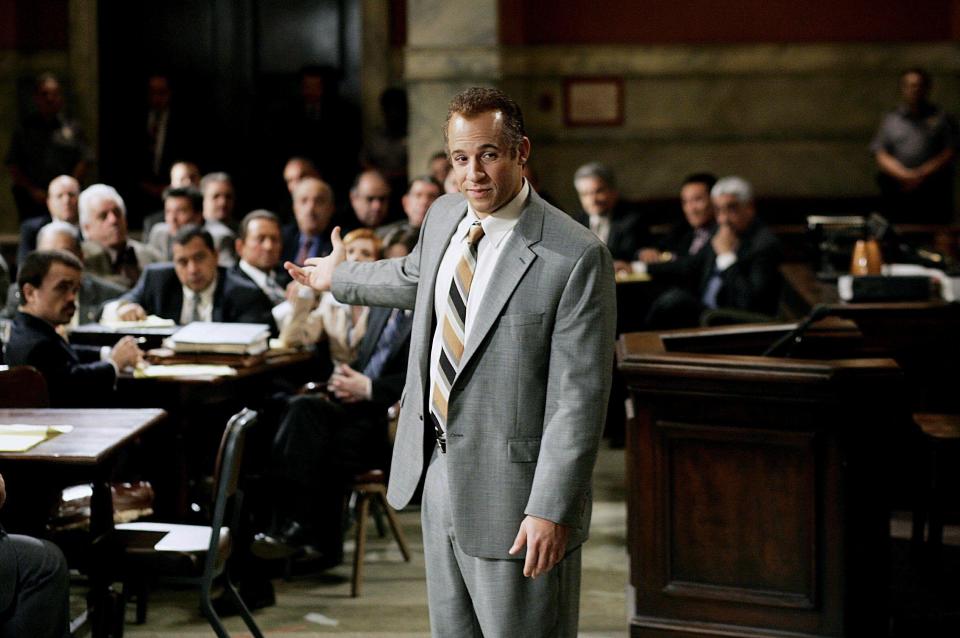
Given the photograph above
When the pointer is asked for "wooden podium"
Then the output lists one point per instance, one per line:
(756, 485)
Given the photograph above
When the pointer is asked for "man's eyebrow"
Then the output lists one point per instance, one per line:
(482, 147)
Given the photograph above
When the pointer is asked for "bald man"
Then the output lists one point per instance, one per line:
(62, 195)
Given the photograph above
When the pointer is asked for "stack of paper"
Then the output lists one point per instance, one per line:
(227, 338)
(20, 437)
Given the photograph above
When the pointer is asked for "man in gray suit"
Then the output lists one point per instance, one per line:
(507, 381)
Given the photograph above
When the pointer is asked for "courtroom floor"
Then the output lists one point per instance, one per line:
(923, 603)
(393, 603)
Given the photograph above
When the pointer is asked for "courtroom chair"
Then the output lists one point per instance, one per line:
(196, 554)
(940, 480)
(23, 387)
(732, 316)
(370, 488)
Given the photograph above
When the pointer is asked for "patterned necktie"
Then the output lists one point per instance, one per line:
(274, 291)
(195, 315)
(385, 343)
(453, 335)
(127, 265)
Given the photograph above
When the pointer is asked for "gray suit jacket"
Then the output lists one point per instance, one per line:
(527, 407)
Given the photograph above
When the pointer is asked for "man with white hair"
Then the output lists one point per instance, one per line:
(737, 270)
(94, 291)
(107, 250)
(62, 195)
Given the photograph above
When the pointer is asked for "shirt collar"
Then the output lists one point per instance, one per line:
(259, 277)
(206, 295)
(497, 225)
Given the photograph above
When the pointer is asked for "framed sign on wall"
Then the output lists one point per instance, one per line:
(593, 101)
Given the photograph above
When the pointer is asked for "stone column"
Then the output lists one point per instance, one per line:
(450, 46)
(84, 71)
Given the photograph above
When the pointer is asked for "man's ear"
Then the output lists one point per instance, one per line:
(29, 292)
(523, 151)
(237, 245)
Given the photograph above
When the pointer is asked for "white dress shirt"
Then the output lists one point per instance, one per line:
(206, 304)
(497, 227)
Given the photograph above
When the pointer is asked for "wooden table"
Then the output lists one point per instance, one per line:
(85, 455)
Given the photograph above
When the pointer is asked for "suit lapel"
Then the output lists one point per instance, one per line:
(447, 222)
(514, 261)
(219, 295)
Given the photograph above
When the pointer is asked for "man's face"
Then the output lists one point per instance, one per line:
(55, 300)
(179, 212)
(361, 250)
(49, 98)
(261, 247)
(294, 171)
(913, 89)
(439, 167)
(733, 213)
(218, 200)
(107, 225)
(184, 174)
(158, 93)
(62, 199)
(486, 170)
(418, 200)
(596, 196)
(370, 200)
(312, 206)
(195, 264)
(697, 207)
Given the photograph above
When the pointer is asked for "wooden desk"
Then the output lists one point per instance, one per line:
(755, 497)
(922, 336)
(85, 455)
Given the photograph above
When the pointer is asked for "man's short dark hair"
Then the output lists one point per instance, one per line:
(37, 264)
(187, 234)
(426, 179)
(480, 99)
(252, 216)
(189, 192)
(707, 179)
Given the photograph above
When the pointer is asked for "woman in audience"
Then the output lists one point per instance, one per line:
(308, 321)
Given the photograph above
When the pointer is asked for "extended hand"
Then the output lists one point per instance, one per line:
(546, 543)
(318, 272)
(347, 384)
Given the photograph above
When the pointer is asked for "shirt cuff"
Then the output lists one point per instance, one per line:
(639, 267)
(725, 260)
(368, 391)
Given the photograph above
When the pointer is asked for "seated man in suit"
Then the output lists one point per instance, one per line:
(325, 439)
(313, 209)
(62, 196)
(182, 175)
(218, 202)
(738, 269)
(182, 206)
(107, 250)
(192, 288)
(94, 291)
(610, 219)
(691, 236)
(421, 193)
(49, 282)
(258, 246)
(34, 586)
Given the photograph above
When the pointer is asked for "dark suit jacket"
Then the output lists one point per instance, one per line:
(752, 283)
(235, 300)
(28, 235)
(628, 232)
(94, 292)
(70, 381)
(677, 242)
(291, 243)
(388, 386)
(281, 275)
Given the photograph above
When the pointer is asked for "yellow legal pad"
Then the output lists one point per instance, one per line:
(20, 437)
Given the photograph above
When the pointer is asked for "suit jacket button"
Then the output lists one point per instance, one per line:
(421, 417)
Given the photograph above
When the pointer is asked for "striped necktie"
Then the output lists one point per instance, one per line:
(453, 335)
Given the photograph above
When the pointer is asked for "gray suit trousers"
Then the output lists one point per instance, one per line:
(34, 589)
(481, 597)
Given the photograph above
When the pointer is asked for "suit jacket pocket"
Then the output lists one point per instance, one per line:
(523, 450)
(521, 319)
